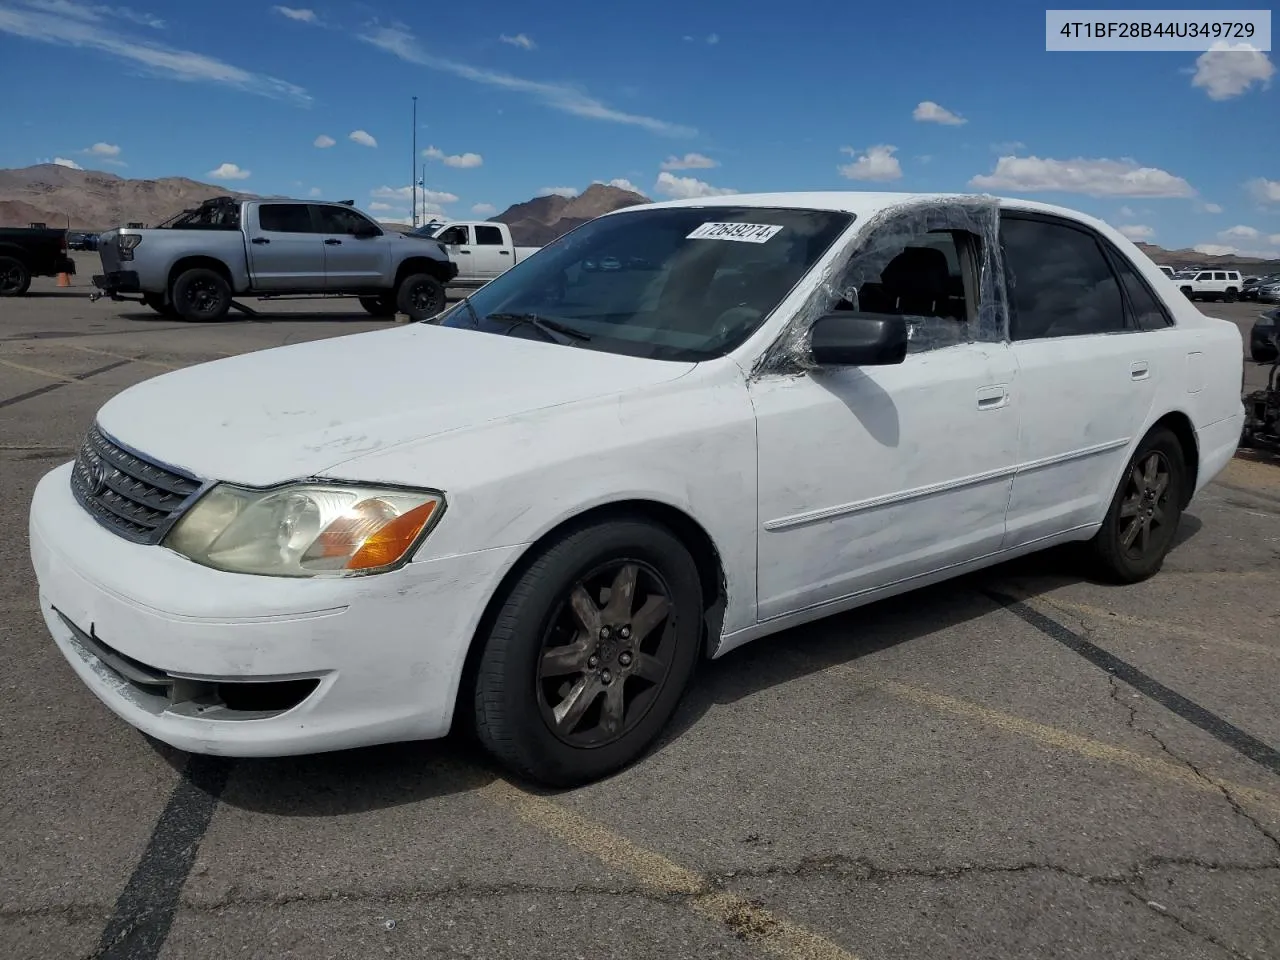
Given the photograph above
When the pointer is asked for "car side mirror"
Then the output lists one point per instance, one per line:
(858, 339)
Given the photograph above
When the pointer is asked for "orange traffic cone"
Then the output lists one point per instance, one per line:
(64, 279)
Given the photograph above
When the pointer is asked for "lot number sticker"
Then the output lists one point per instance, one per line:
(742, 232)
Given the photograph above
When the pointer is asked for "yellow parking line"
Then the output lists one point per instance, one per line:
(1145, 623)
(38, 372)
(754, 924)
(122, 356)
(1071, 742)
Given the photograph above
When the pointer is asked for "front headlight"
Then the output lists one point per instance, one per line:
(305, 529)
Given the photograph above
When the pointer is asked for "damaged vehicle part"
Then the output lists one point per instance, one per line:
(777, 407)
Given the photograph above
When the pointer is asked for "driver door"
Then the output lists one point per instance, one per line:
(878, 475)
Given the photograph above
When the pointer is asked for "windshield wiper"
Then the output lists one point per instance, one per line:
(552, 329)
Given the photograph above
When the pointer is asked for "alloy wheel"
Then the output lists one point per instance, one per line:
(1144, 511)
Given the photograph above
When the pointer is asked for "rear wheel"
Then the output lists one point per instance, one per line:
(420, 296)
(15, 278)
(201, 294)
(589, 652)
(1143, 518)
(1231, 295)
(1260, 353)
(379, 306)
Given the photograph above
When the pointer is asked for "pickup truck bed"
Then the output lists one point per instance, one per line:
(31, 252)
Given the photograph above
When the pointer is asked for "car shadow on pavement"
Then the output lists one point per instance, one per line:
(373, 778)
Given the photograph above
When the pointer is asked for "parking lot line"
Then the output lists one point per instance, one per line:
(1065, 740)
(121, 356)
(753, 924)
(38, 372)
(61, 380)
(1146, 623)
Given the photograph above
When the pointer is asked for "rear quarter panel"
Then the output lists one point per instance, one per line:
(154, 258)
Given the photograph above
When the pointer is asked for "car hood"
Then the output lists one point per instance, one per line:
(298, 411)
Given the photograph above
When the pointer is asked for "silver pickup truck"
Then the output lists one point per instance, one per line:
(194, 265)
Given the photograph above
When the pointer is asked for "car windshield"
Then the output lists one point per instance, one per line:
(669, 283)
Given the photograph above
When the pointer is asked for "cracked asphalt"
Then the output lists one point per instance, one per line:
(1018, 764)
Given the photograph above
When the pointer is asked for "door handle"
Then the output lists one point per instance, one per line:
(1139, 370)
(331, 241)
(468, 252)
(261, 240)
(504, 253)
(992, 398)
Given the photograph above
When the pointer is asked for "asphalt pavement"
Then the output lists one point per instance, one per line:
(1018, 764)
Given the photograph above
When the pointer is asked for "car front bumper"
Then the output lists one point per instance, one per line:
(185, 653)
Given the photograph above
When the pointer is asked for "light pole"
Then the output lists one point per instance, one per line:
(413, 167)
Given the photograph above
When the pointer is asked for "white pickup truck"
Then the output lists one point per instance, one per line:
(482, 249)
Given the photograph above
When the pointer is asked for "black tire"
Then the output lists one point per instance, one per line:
(1188, 293)
(1231, 295)
(15, 278)
(1160, 508)
(379, 306)
(420, 296)
(1261, 354)
(646, 673)
(157, 302)
(201, 295)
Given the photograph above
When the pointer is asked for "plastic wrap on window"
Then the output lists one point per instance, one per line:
(880, 240)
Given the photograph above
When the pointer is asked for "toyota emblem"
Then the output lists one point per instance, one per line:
(97, 477)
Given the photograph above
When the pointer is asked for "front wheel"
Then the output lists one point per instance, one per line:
(589, 652)
(420, 296)
(202, 295)
(1142, 521)
(15, 278)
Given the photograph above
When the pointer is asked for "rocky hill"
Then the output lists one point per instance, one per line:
(537, 222)
(94, 200)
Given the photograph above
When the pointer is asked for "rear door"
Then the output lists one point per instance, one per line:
(355, 248)
(491, 254)
(285, 252)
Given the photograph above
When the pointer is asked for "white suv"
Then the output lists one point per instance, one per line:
(1211, 285)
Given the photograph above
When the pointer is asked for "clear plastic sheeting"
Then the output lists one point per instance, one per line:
(936, 262)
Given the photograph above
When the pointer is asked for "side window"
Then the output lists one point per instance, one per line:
(1201, 277)
(1219, 275)
(284, 218)
(342, 220)
(488, 236)
(1146, 308)
(1059, 282)
(923, 280)
(454, 236)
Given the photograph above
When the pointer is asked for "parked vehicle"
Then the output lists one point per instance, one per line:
(196, 263)
(482, 249)
(1251, 285)
(1212, 285)
(536, 513)
(1267, 290)
(1167, 271)
(82, 241)
(27, 252)
(1263, 335)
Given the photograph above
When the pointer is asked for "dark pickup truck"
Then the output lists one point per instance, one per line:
(31, 252)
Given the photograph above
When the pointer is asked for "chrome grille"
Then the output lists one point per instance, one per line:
(135, 498)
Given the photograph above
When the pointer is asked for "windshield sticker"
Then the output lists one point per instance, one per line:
(742, 232)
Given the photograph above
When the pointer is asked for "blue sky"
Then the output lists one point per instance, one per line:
(676, 99)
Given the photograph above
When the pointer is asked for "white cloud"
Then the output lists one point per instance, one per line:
(927, 111)
(398, 40)
(567, 192)
(103, 150)
(519, 40)
(1274, 239)
(1127, 212)
(381, 207)
(1095, 178)
(713, 39)
(94, 12)
(1212, 208)
(406, 195)
(877, 163)
(686, 188)
(690, 161)
(484, 209)
(64, 162)
(1240, 232)
(315, 192)
(621, 183)
(324, 141)
(1228, 70)
(463, 161)
(363, 138)
(300, 14)
(1214, 249)
(228, 171)
(1137, 231)
(58, 26)
(1264, 191)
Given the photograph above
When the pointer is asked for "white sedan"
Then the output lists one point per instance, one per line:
(535, 514)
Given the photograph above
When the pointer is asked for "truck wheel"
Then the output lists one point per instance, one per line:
(201, 294)
(157, 303)
(421, 296)
(15, 278)
(1231, 295)
(1186, 292)
(379, 306)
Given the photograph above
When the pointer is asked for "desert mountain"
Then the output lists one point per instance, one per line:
(94, 200)
(537, 222)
